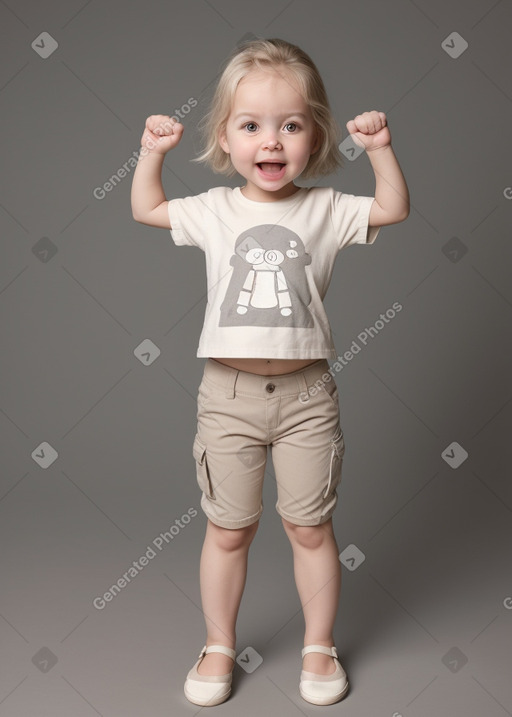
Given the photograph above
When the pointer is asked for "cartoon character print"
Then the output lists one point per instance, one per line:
(268, 285)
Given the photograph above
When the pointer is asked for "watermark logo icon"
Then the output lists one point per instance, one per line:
(44, 249)
(44, 659)
(454, 659)
(249, 659)
(350, 149)
(454, 45)
(147, 352)
(454, 455)
(44, 455)
(352, 557)
(454, 249)
(248, 456)
(45, 45)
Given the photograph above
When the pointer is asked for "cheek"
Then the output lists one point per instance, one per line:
(310, 148)
(301, 153)
(243, 150)
(298, 147)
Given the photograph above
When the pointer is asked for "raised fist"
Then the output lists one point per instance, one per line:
(161, 134)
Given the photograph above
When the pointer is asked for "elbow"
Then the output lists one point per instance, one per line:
(137, 217)
(402, 216)
(407, 208)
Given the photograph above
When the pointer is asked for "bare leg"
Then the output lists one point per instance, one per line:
(318, 578)
(223, 572)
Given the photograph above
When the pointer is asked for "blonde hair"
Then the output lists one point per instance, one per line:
(271, 54)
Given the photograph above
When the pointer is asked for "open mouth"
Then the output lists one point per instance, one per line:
(271, 167)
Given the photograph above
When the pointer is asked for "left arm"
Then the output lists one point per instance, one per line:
(392, 202)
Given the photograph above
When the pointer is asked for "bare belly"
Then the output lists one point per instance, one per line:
(266, 367)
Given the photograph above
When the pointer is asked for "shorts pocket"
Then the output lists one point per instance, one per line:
(203, 473)
(203, 397)
(331, 389)
(337, 452)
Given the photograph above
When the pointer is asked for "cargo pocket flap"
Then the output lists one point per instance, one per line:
(338, 444)
(337, 451)
(199, 450)
(203, 472)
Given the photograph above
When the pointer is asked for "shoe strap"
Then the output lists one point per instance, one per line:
(320, 648)
(218, 648)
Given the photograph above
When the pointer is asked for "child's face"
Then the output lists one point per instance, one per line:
(270, 122)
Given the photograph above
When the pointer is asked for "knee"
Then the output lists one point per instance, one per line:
(233, 539)
(306, 536)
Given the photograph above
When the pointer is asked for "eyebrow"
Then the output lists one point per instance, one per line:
(256, 114)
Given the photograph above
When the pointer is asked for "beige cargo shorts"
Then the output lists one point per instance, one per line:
(240, 415)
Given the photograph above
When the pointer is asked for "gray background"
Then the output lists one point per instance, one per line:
(82, 285)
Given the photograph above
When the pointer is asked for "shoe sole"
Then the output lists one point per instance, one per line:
(209, 703)
(324, 701)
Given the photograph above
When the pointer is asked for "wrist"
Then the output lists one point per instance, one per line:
(145, 152)
(382, 148)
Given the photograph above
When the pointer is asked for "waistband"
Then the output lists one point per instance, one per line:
(227, 378)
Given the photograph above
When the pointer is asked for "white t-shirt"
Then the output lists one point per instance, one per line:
(268, 267)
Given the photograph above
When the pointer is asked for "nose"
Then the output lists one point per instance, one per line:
(271, 142)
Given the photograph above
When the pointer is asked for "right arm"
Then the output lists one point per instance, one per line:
(149, 205)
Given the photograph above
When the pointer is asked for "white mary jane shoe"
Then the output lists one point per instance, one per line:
(323, 689)
(209, 690)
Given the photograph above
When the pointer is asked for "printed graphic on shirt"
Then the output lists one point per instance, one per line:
(268, 285)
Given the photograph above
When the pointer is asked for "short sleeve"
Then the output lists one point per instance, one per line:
(188, 220)
(350, 215)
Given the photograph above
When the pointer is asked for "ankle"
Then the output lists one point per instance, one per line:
(329, 642)
(226, 642)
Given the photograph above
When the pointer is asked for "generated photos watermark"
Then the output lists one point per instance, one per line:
(123, 171)
(363, 338)
(136, 567)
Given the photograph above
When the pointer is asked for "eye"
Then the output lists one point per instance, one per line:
(274, 256)
(247, 126)
(255, 256)
(293, 125)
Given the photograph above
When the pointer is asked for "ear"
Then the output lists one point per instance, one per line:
(221, 136)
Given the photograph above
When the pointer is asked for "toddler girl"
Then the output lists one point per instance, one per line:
(270, 248)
